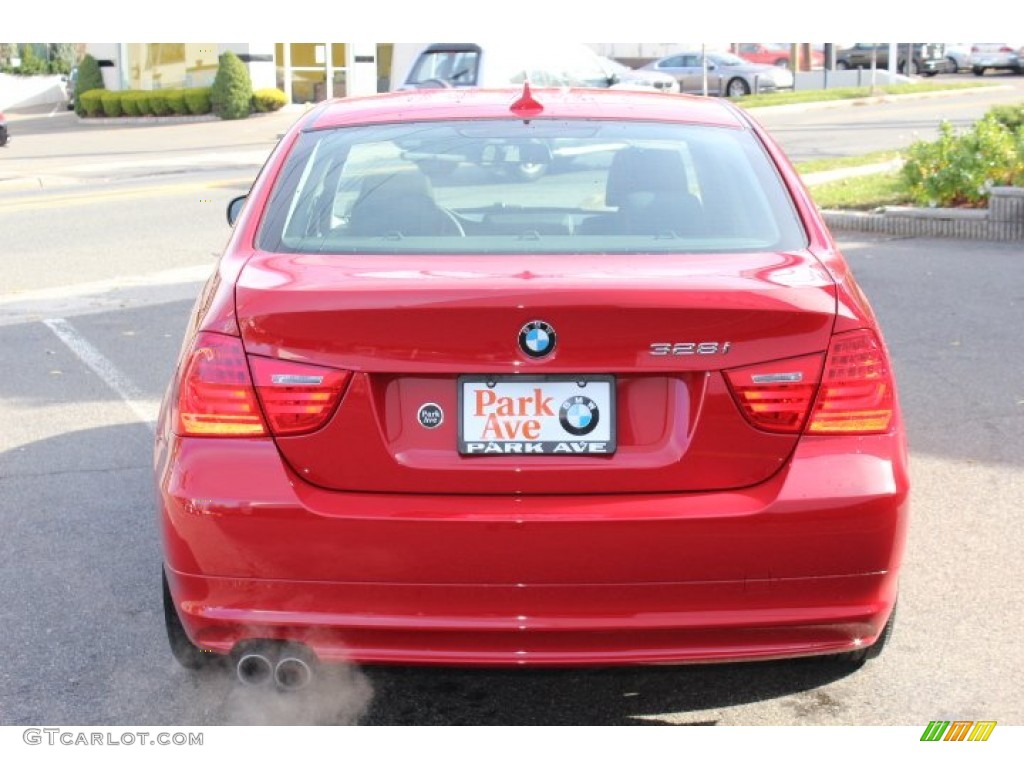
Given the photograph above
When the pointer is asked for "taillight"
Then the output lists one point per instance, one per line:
(297, 397)
(855, 394)
(777, 396)
(856, 387)
(216, 397)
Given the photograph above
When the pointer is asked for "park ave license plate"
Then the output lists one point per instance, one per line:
(533, 416)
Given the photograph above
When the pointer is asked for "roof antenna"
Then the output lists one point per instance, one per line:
(526, 106)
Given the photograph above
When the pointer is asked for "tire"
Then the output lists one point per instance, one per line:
(184, 652)
(528, 171)
(857, 659)
(737, 87)
(953, 66)
(979, 71)
(929, 74)
(842, 64)
(915, 68)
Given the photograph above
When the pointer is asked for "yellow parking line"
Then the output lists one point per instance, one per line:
(92, 197)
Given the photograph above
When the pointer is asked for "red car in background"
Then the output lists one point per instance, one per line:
(635, 411)
(776, 54)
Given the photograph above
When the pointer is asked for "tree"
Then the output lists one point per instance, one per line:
(231, 95)
(8, 51)
(89, 77)
(62, 57)
(31, 64)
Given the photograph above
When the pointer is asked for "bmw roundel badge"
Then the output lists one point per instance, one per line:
(537, 339)
(579, 415)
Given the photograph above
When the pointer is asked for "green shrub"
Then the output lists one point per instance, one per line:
(268, 100)
(129, 104)
(111, 101)
(960, 169)
(1010, 115)
(176, 101)
(142, 100)
(231, 94)
(198, 101)
(89, 78)
(31, 64)
(158, 103)
(92, 102)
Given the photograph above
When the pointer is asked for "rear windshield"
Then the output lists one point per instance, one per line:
(455, 67)
(538, 186)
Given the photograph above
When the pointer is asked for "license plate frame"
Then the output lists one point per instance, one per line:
(571, 415)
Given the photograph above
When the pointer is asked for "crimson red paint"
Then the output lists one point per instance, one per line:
(690, 446)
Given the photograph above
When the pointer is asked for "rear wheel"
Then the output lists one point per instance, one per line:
(528, 171)
(186, 654)
(859, 658)
(737, 87)
(912, 69)
(842, 64)
(979, 71)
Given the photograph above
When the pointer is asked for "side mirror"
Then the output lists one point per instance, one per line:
(235, 208)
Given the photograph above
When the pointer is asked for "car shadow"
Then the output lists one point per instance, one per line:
(348, 694)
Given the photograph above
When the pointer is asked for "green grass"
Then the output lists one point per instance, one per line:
(839, 94)
(863, 193)
(831, 163)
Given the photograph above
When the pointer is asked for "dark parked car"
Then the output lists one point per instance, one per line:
(3, 130)
(929, 58)
(728, 75)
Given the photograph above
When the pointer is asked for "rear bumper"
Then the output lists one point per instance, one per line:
(803, 564)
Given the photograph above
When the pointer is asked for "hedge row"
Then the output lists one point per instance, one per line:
(169, 101)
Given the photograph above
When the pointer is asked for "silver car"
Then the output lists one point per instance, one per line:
(997, 56)
(728, 75)
(622, 77)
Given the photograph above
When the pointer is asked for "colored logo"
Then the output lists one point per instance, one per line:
(537, 339)
(430, 415)
(579, 415)
(958, 730)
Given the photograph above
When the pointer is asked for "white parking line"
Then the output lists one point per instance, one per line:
(111, 375)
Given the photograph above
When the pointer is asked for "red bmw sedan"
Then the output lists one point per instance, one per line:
(500, 378)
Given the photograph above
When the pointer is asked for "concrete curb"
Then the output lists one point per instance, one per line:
(175, 119)
(146, 120)
(1003, 220)
(824, 177)
(882, 99)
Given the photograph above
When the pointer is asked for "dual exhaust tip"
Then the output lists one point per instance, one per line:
(288, 665)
